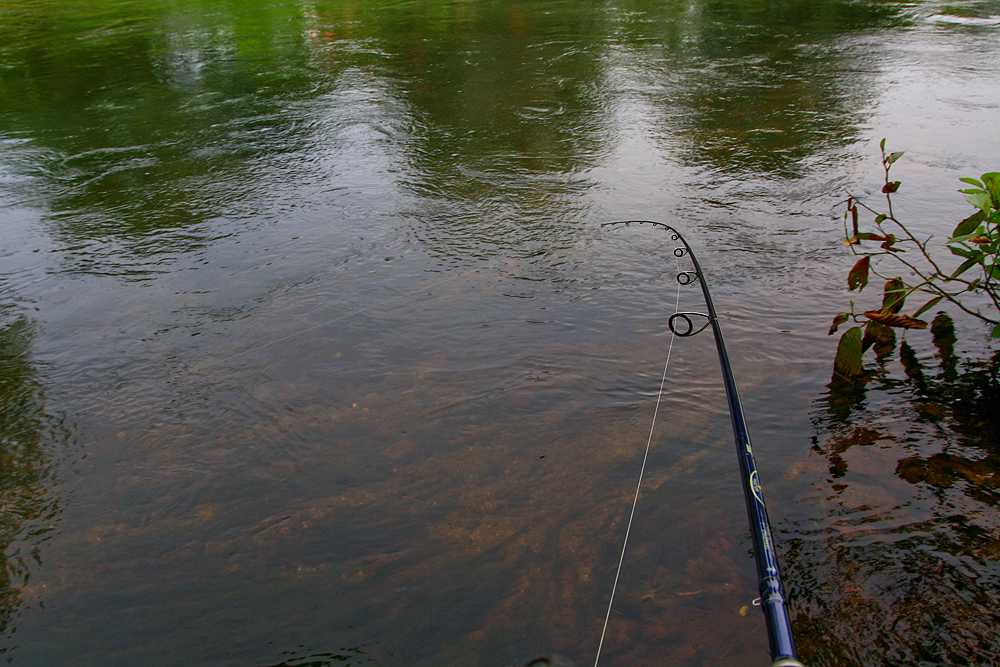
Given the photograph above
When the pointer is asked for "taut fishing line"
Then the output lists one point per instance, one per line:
(638, 485)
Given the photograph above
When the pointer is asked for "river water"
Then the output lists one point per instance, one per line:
(314, 352)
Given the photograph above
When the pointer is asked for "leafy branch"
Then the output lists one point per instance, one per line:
(976, 239)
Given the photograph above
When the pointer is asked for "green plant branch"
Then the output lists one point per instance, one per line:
(975, 239)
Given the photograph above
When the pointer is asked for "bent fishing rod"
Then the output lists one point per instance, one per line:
(772, 591)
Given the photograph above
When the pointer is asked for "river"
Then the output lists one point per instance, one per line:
(313, 350)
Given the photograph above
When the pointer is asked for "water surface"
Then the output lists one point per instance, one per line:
(313, 350)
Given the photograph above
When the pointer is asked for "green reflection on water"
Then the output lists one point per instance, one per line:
(157, 115)
(28, 434)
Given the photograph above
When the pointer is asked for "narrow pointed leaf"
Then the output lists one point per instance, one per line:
(894, 295)
(965, 266)
(972, 181)
(962, 252)
(927, 306)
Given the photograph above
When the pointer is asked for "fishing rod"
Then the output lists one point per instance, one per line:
(772, 591)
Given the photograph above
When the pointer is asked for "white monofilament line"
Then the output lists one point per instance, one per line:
(642, 470)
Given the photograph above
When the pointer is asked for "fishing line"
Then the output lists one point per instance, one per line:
(638, 486)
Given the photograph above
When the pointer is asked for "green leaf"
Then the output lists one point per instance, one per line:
(927, 306)
(962, 252)
(881, 145)
(894, 295)
(969, 225)
(880, 218)
(991, 181)
(972, 181)
(848, 361)
(996, 331)
(979, 198)
(894, 156)
(857, 278)
(839, 319)
(964, 266)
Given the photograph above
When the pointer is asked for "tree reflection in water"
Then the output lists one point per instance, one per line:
(28, 434)
(905, 564)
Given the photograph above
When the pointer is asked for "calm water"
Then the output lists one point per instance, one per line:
(313, 351)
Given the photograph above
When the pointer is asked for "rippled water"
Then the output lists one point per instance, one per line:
(313, 350)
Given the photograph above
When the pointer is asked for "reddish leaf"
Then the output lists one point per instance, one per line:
(893, 320)
(868, 236)
(858, 276)
(891, 187)
(879, 335)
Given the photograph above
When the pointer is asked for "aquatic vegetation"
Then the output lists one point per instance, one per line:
(27, 434)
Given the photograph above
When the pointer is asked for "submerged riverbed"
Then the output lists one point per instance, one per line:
(313, 351)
